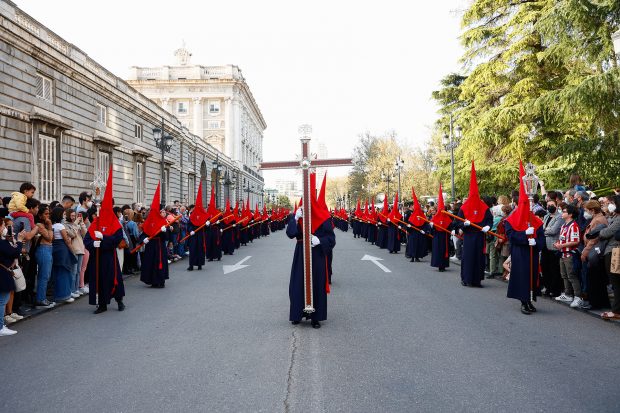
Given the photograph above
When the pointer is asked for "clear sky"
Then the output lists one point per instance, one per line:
(342, 66)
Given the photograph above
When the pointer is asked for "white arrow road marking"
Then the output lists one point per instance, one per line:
(376, 261)
(237, 266)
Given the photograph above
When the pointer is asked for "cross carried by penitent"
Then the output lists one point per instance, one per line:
(307, 163)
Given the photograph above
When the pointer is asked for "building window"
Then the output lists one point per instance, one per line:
(137, 131)
(103, 164)
(47, 169)
(139, 181)
(182, 108)
(102, 114)
(213, 124)
(191, 184)
(214, 107)
(44, 88)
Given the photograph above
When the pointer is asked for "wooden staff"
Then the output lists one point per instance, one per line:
(210, 221)
(440, 227)
(133, 251)
(474, 225)
(407, 225)
(231, 225)
(251, 225)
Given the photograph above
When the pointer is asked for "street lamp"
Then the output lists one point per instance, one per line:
(530, 182)
(387, 177)
(398, 166)
(164, 143)
(451, 141)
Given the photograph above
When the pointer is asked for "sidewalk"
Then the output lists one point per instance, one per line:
(593, 313)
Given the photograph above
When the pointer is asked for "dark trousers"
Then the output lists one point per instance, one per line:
(552, 280)
(615, 283)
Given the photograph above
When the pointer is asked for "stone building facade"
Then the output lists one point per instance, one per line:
(64, 119)
(214, 103)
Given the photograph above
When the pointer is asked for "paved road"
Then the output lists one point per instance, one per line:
(406, 341)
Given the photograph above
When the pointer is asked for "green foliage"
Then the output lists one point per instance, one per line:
(542, 85)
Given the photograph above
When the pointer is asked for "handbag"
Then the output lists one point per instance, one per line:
(615, 261)
(18, 277)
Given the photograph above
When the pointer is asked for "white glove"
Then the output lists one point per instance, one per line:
(217, 222)
(598, 250)
(163, 228)
(388, 220)
(453, 232)
(221, 230)
(98, 235)
(399, 227)
(208, 223)
(299, 214)
(431, 224)
(529, 231)
(97, 244)
(315, 241)
(532, 242)
(234, 225)
(146, 240)
(408, 225)
(192, 233)
(467, 223)
(486, 228)
(422, 232)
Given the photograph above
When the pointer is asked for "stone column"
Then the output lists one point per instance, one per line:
(236, 130)
(198, 126)
(228, 138)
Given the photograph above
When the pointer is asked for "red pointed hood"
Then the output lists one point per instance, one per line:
(236, 210)
(318, 210)
(198, 216)
(107, 222)
(228, 215)
(212, 210)
(395, 214)
(414, 218)
(373, 213)
(474, 208)
(321, 196)
(358, 209)
(523, 217)
(441, 219)
(384, 213)
(366, 212)
(154, 221)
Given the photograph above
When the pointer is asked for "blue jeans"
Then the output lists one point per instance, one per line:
(75, 278)
(44, 262)
(4, 298)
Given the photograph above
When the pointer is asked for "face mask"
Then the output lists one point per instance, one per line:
(566, 200)
(5, 231)
(551, 209)
(611, 208)
(89, 204)
(587, 215)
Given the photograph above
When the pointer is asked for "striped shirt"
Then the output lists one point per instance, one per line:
(569, 233)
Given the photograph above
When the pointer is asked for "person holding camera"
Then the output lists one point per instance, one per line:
(9, 253)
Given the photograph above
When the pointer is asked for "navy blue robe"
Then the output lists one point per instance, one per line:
(474, 242)
(440, 254)
(519, 282)
(155, 255)
(214, 242)
(372, 234)
(417, 246)
(228, 243)
(325, 233)
(393, 237)
(109, 269)
(197, 246)
(381, 236)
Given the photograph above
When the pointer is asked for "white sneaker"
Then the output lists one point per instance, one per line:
(8, 319)
(577, 302)
(75, 295)
(70, 300)
(7, 331)
(16, 316)
(564, 298)
(85, 289)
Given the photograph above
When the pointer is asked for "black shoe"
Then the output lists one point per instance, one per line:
(531, 307)
(525, 309)
(478, 285)
(219, 259)
(200, 267)
(295, 322)
(411, 260)
(463, 283)
(315, 324)
(210, 259)
(121, 306)
(100, 309)
(442, 270)
(417, 260)
(190, 268)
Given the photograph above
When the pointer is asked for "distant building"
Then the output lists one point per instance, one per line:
(216, 104)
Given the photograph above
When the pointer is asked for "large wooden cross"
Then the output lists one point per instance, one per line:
(306, 164)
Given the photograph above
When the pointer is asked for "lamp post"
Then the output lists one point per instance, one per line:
(451, 141)
(398, 166)
(530, 182)
(164, 143)
(218, 168)
(387, 177)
